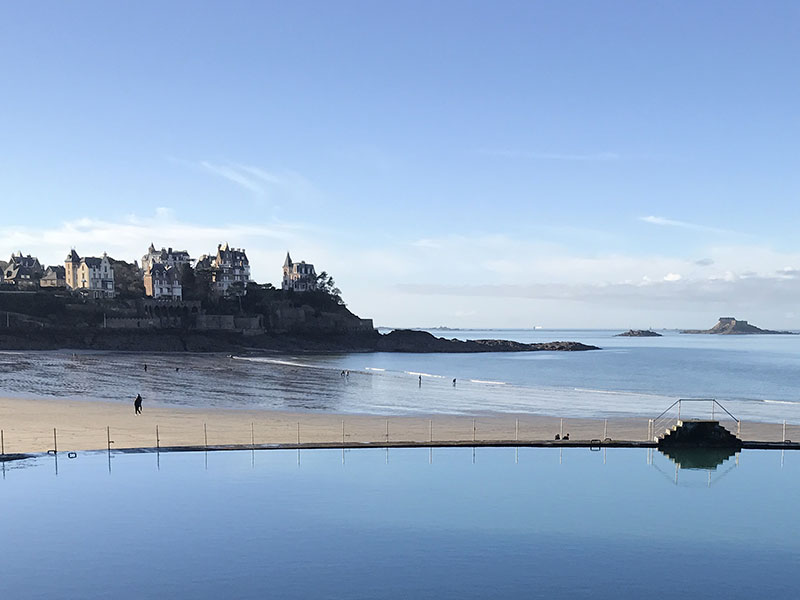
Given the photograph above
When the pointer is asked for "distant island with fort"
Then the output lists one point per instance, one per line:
(733, 326)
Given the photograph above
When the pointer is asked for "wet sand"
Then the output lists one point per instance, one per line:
(27, 426)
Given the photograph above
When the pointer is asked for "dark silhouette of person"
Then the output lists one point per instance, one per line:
(454, 382)
(145, 367)
(420, 381)
(137, 404)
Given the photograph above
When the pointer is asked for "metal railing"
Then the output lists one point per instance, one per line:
(668, 419)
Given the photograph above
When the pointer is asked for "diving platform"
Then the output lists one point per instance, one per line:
(672, 430)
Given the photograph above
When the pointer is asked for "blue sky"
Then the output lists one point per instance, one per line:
(461, 163)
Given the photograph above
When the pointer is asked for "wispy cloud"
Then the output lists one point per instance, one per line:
(737, 291)
(262, 182)
(234, 175)
(664, 222)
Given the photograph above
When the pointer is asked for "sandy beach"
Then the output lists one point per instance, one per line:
(27, 426)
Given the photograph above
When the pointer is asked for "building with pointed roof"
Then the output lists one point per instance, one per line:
(54, 277)
(22, 271)
(229, 266)
(93, 275)
(163, 281)
(299, 277)
(165, 256)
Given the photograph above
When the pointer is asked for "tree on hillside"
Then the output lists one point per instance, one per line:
(327, 285)
(197, 284)
(128, 281)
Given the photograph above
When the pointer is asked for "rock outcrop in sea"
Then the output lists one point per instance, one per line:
(638, 333)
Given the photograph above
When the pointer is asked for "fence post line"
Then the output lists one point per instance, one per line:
(55, 441)
(516, 431)
(252, 435)
(108, 438)
(205, 435)
(2, 442)
(158, 439)
(430, 427)
(387, 431)
(473, 430)
(605, 429)
(342, 432)
(739, 429)
(561, 433)
(298, 433)
(783, 439)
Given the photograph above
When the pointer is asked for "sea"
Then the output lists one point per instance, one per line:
(756, 377)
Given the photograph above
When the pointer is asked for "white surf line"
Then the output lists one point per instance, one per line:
(424, 374)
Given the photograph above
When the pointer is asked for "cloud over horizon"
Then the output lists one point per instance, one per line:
(394, 282)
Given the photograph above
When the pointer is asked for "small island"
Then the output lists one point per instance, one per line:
(639, 333)
(732, 326)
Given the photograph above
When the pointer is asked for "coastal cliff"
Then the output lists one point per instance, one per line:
(176, 340)
(266, 320)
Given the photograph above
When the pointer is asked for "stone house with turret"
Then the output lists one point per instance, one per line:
(299, 277)
(163, 281)
(229, 266)
(91, 274)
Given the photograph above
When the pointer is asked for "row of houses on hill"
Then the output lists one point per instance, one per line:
(161, 271)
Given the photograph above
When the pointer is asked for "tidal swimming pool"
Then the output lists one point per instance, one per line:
(410, 523)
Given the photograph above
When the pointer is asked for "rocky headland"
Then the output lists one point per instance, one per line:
(265, 321)
(732, 326)
(176, 340)
(409, 340)
(638, 333)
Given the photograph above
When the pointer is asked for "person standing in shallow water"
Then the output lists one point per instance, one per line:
(137, 405)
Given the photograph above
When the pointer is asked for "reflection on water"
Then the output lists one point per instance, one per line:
(403, 523)
(707, 459)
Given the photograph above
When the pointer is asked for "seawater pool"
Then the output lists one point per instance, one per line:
(407, 523)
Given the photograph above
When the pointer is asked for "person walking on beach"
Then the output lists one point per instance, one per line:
(145, 367)
(420, 381)
(137, 404)
(454, 382)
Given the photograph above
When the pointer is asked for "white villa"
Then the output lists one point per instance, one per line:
(299, 277)
(95, 275)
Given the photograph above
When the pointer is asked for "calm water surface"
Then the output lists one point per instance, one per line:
(407, 524)
(757, 377)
